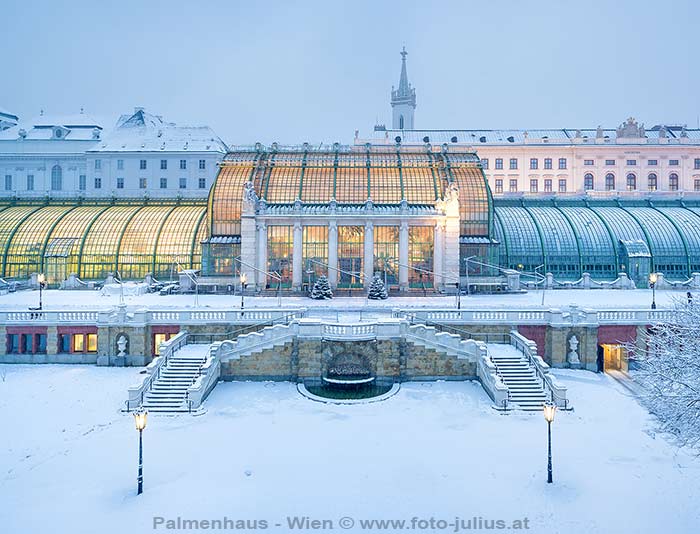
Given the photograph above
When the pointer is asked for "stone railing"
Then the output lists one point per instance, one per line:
(553, 388)
(491, 382)
(138, 391)
(205, 382)
(49, 317)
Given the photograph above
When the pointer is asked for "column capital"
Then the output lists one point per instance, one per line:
(261, 226)
(404, 225)
(297, 226)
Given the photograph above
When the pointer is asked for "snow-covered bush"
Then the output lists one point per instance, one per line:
(322, 289)
(377, 290)
(668, 357)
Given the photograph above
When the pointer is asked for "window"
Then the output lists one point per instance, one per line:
(183, 183)
(8, 182)
(548, 185)
(163, 183)
(143, 183)
(588, 182)
(120, 183)
(98, 183)
(82, 182)
(631, 162)
(533, 164)
(673, 163)
(142, 165)
(548, 163)
(484, 163)
(697, 184)
(513, 164)
(78, 343)
(98, 164)
(499, 163)
(202, 164)
(562, 163)
(610, 162)
(588, 162)
(499, 185)
(57, 178)
(697, 163)
(533, 185)
(120, 164)
(652, 182)
(183, 164)
(631, 182)
(30, 182)
(401, 122)
(562, 185)
(513, 185)
(163, 164)
(610, 182)
(673, 182)
(202, 183)
(652, 162)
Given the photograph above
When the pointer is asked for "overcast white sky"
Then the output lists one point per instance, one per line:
(315, 71)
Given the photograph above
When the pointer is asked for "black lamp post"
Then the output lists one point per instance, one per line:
(244, 279)
(140, 417)
(653, 277)
(42, 283)
(549, 410)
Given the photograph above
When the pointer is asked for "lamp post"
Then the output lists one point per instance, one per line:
(140, 417)
(653, 277)
(41, 279)
(244, 279)
(549, 409)
(466, 271)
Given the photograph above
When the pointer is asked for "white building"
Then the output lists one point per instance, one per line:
(143, 155)
(629, 160)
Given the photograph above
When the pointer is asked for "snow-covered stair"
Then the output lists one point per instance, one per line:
(169, 391)
(524, 387)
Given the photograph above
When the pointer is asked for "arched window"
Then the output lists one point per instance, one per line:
(610, 182)
(631, 182)
(400, 122)
(653, 182)
(56, 178)
(588, 181)
(673, 182)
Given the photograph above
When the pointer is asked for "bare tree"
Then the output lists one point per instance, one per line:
(669, 372)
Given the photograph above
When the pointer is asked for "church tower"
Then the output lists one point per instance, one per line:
(403, 100)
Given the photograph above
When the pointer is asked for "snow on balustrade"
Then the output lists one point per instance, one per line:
(359, 331)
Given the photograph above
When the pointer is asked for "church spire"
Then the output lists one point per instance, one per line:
(403, 99)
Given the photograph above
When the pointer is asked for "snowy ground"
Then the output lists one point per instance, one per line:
(594, 298)
(435, 450)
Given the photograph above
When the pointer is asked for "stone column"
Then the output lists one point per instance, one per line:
(51, 340)
(248, 247)
(438, 247)
(333, 254)
(297, 268)
(369, 253)
(262, 256)
(403, 256)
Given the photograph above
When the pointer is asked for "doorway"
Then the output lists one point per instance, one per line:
(614, 357)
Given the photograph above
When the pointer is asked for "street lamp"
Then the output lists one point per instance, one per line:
(244, 279)
(41, 279)
(653, 277)
(549, 409)
(140, 417)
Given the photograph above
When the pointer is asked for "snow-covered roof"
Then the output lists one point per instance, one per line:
(7, 114)
(145, 132)
(75, 127)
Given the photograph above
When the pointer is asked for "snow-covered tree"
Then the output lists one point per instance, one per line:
(377, 290)
(322, 289)
(668, 357)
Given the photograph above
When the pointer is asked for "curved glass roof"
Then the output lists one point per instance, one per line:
(350, 176)
(92, 240)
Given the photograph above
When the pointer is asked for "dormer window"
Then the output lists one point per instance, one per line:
(59, 132)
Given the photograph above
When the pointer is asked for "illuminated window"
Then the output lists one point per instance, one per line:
(386, 253)
(499, 185)
(314, 253)
(351, 243)
(78, 343)
(420, 256)
(157, 340)
(92, 342)
(280, 243)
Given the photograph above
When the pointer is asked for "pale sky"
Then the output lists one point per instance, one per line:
(293, 71)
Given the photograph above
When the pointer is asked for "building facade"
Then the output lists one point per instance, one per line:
(143, 156)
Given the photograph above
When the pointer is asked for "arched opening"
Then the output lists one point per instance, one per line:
(631, 182)
(673, 182)
(56, 178)
(588, 182)
(610, 182)
(653, 182)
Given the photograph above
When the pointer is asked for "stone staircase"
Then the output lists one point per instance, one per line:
(247, 344)
(524, 387)
(168, 392)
